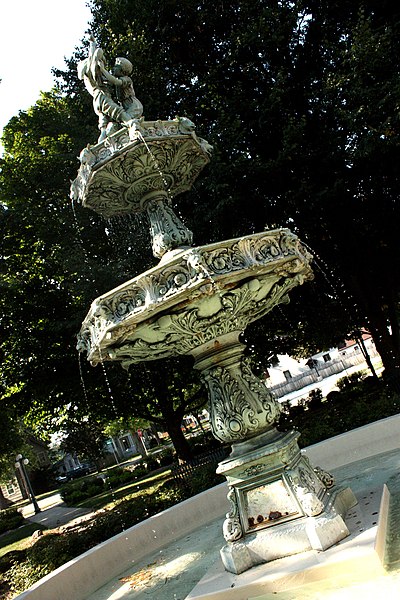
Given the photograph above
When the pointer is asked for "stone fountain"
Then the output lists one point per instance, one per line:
(197, 301)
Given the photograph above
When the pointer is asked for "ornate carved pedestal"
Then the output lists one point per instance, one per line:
(280, 505)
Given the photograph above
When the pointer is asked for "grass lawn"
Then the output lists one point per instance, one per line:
(109, 496)
(18, 538)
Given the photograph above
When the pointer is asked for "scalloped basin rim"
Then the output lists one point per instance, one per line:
(175, 256)
(137, 142)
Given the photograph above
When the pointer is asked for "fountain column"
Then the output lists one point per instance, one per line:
(166, 229)
(241, 407)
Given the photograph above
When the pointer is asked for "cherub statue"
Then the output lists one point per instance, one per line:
(97, 81)
(124, 87)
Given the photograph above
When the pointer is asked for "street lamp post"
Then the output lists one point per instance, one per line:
(20, 464)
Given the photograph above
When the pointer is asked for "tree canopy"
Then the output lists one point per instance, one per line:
(300, 100)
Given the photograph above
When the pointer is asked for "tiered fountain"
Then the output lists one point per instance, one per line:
(198, 300)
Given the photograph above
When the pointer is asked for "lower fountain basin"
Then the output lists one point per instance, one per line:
(104, 572)
(193, 296)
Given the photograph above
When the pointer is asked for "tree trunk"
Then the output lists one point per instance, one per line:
(154, 432)
(378, 325)
(366, 355)
(181, 445)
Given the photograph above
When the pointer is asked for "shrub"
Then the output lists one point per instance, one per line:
(204, 478)
(166, 457)
(359, 403)
(21, 575)
(349, 381)
(120, 476)
(204, 443)
(151, 464)
(140, 470)
(315, 398)
(77, 491)
(10, 518)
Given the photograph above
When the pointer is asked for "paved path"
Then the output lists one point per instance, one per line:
(53, 512)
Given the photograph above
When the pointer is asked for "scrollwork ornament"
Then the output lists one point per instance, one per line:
(308, 499)
(271, 407)
(167, 230)
(252, 471)
(232, 528)
(326, 478)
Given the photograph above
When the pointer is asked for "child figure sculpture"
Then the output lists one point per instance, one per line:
(127, 109)
(124, 87)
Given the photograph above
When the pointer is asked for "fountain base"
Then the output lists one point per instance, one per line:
(280, 505)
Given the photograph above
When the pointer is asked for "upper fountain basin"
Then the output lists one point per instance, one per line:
(194, 295)
(117, 175)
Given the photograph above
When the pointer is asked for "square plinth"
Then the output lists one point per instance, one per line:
(280, 505)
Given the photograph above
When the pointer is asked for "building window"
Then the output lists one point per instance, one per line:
(42, 458)
(326, 357)
(10, 488)
(125, 443)
(288, 375)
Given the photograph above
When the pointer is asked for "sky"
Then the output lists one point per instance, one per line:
(35, 35)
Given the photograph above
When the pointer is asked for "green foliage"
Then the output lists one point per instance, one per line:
(21, 575)
(151, 464)
(204, 478)
(10, 518)
(166, 457)
(74, 492)
(315, 398)
(85, 438)
(357, 404)
(349, 381)
(18, 538)
(204, 442)
(300, 100)
(120, 476)
(11, 441)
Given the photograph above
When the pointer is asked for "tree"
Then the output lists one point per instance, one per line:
(161, 392)
(84, 438)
